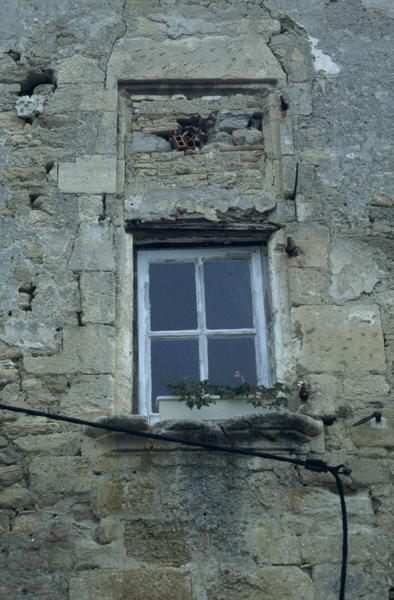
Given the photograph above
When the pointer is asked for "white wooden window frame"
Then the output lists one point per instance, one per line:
(197, 255)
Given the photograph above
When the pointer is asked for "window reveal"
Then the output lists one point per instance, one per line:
(201, 316)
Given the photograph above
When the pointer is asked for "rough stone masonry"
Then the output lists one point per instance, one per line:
(294, 100)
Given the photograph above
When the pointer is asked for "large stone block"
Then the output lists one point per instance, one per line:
(90, 207)
(98, 297)
(16, 498)
(336, 339)
(300, 99)
(323, 505)
(79, 69)
(245, 57)
(134, 584)
(312, 242)
(367, 471)
(10, 474)
(89, 396)
(365, 546)
(307, 286)
(88, 175)
(106, 139)
(157, 542)
(273, 583)
(375, 435)
(25, 332)
(84, 97)
(325, 391)
(60, 474)
(360, 582)
(55, 443)
(87, 350)
(133, 495)
(271, 545)
(93, 248)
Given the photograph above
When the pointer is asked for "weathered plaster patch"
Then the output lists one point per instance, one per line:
(364, 315)
(354, 271)
(28, 334)
(385, 6)
(322, 61)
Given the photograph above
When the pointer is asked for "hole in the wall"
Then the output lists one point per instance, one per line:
(79, 318)
(35, 78)
(102, 215)
(14, 54)
(284, 105)
(30, 292)
(287, 24)
(256, 122)
(376, 505)
(33, 197)
(192, 132)
(34, 202)
(307, 570)
(391, 593)
(292, 250)
(9, 313)
(49, 166)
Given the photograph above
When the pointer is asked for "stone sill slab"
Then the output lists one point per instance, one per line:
(281, 430)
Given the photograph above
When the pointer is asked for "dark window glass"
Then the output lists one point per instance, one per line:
(228, 296)
(230, 359)
(172, 294)
(173, 360)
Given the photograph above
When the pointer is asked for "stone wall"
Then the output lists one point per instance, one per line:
(297, 157)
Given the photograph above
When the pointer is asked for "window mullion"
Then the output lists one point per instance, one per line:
(202, 326)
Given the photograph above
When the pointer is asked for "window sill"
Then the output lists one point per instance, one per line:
(280, 430)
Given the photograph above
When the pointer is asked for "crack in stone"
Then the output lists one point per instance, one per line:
(117, 38)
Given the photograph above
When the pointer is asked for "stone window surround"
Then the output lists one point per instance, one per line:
(281, 351)
(134, 235)
(246, 60)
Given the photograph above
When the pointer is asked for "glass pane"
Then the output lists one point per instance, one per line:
(172, 294)
(228, 297)
(172, 360)
(232, 360)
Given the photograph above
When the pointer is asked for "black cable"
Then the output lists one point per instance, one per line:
(311, 464)
(341, 494)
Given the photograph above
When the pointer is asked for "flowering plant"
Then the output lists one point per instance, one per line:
(203, 393)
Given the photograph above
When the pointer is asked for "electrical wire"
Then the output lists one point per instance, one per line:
(310, 464)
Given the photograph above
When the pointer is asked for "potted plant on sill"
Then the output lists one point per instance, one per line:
(206, 400)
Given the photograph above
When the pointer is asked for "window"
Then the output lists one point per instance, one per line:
(201, 316)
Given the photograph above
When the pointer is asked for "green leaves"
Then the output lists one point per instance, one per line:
(202, 393)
